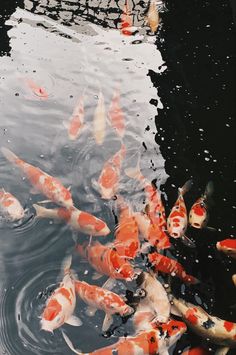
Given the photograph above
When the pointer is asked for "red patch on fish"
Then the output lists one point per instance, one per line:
(229, 243)
(85, 219)
(228, 326)
(52, 310)
(63, 291)
(190, 316)
(198, 210)
(64, 214)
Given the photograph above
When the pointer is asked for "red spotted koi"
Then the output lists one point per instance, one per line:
(127, 234)
(99, 298)
(227, 246)
(61, 304)
(99, 120)
(217, 330)
(126, 21)
(199, 213)
(10, 207)
(116, 115)
(109, 178)
(77, 120)
(148, 342)
(106, 261)
(169, 266)
(76, 219)
(38, 91)
(41, 181)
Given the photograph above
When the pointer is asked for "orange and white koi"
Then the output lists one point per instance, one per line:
(227, 246)
(162, 263)
(116, 115)
(177, 221)
(196, 351)
(78, 220)
(151, 232)
(152, 17)
(156, 298)
(10, 207)
(126, 21)
(77, 120)
(106, 261)
(61, 304)
(41, 181)
(38, 91)
(109, 178)
(148, 342)
(99, 120)
(199, 213)
(127, 235)
(217, 330)
(99, 298)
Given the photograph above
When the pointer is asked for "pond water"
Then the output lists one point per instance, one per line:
(176, 92)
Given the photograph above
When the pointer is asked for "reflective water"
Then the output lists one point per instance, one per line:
(68, 47)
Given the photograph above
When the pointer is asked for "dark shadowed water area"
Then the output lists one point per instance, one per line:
(178, 95)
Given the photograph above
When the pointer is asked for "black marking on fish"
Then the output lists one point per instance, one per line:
(152, 340)
(140, 279)
(114, 352)
(208, 324)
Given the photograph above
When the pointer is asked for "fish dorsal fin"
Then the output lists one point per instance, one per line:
(188, 242)
(90, 311)
(186, 187)
(108, 320)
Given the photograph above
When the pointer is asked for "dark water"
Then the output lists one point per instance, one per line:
(178, 92)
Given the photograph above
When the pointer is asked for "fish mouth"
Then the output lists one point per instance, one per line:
(175, 234)
(196, 225)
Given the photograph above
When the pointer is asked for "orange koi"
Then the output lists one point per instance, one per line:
(127, 235)
(227, 246)
(148, 342)
(153, 18)
(106, 260)
(110, 175)
(38, 91)
(100, 298)
(61, 304)
(41, 181)
(217, 330)
(99, 120)
(10, 207)
(77, 120)
(78, 220)
(166, 265)
(116, 115)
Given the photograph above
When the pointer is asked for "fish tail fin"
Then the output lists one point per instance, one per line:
(161, 6)
(69, 343)
(41, 212)
(186, 187)
(9, 155)
(209, 190)
(66, 264)
(134, 173)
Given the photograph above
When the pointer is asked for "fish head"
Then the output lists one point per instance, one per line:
(127, 272)
(126, 310)
(92, 225)
(198, 216)
(107, 193)
(172, 331)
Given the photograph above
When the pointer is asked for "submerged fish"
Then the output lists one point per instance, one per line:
(199, 213)
(109, 178)
(152, 17)
(217, 330)
(76, 219)
(147, 342)
(10, 207)
(227, 246)
(37, 90)
(106, 261)
(116, 114)
(77, 120)
(169, 266)
(41, 181)
(99, 298)
(61, 304)
(99, 120)
(196, 351)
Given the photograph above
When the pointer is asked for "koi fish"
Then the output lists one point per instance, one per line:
(116, 115)
(162, 263)
(106, 260)
(77, 120)
(196, 351)
(61, 304)
(218, 331)
(38, 91)
(148, 342)
(152, 17)
(127, 235)
(227, 246)
(156, 297)
(41, 181)
(109, 178)
(234, 279)
(126, 21)
(10, 207)
(100, 298)
(151, 232)
(177, 221)
(99, 120)
(76, 219)
(199, 213)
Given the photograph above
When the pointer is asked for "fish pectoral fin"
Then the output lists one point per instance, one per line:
(65, 124)
(108, 320)
(109, 284)
(175, 311)
(44, 201)
(222, 350)
(96, 276)
(75, 321)
(69, 343)
(211, 229)
(90, 311)
(188, 242)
